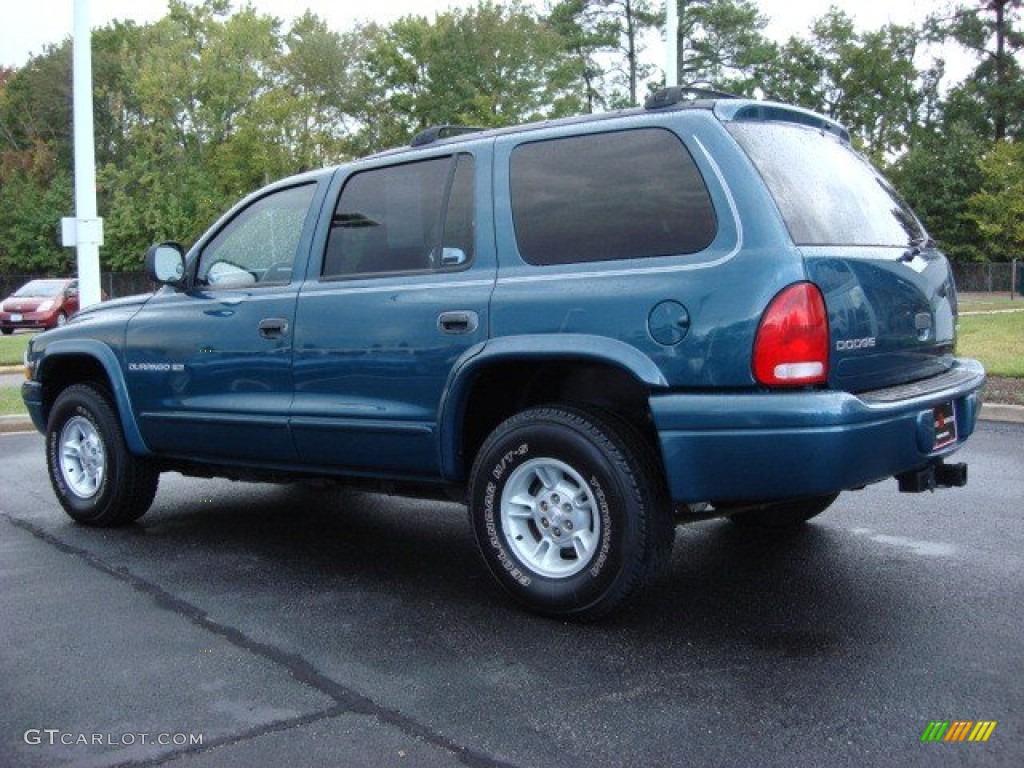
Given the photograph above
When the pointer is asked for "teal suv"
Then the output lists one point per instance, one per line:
(589, 330)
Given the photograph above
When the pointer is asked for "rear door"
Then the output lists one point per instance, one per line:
(398, 293)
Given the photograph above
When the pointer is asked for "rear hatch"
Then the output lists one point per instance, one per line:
(889, 293)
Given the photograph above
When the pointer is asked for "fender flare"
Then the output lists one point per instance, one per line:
(456, 392)
(105, 356)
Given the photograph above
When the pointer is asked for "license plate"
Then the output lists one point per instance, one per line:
(16, 318)
(945, 425)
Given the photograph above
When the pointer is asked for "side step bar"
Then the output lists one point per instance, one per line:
(938, 475)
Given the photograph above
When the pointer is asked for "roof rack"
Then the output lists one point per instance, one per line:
(677, 94)
(438, 132)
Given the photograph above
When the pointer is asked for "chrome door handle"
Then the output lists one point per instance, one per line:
(458, 322)
(273, 327)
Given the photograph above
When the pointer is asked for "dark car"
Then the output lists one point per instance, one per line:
(590, 329)
(39, 304)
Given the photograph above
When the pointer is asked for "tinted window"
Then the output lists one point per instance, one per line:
(827, 193)
(625, 195)
(259, 245)
(405, 218)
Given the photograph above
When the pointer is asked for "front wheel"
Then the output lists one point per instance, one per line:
(96, 479)
(569, 511)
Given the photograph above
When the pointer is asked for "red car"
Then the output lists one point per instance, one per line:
(39, 304)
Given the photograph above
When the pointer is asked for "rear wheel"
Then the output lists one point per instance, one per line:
(98, 481)
(7, 331)
(787, 514)
(569, 511)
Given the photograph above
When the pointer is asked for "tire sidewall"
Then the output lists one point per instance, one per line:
(82, 403)
(509, 448)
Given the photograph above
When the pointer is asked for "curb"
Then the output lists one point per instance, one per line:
(1010, 414)
(17, 423)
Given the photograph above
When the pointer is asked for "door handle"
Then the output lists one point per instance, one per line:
(273, 327)
(458, 322)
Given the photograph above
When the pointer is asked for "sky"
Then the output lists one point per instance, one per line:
(30, 25)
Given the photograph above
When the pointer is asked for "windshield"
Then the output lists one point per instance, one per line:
(826, 192)
(41, 288)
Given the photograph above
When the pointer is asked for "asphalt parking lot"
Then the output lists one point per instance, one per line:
(298, 626)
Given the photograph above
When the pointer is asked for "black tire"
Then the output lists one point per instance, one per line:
(97, 480)
(7, 331)
(570, 511)
(789, 514)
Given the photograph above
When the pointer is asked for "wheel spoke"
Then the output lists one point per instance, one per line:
(521, 505)
(583, 542)
(548, 475)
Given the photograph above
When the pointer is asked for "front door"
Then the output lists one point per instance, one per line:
(209, 370)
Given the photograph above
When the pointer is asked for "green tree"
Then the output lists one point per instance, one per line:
(991, 99)
(867, 81)
(588, 35)
(720, 41)
(631, 20)
(490, 65)
(33, 192)
(937, 176)
(998, 207)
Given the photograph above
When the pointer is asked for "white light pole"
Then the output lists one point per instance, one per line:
(86, 230)
(671, 43)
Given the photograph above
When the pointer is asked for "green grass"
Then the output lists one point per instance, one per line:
(989, 302)
(10, 401)
(996, 340)
(13, 347)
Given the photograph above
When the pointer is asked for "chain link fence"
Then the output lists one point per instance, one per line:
(990, 277)
(115, 284)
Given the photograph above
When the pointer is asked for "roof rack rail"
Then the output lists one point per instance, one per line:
(677, 94)
(438, 132)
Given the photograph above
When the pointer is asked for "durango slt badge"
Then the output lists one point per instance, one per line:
(865, 343)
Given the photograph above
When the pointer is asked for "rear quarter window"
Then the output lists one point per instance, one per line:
(598, 197)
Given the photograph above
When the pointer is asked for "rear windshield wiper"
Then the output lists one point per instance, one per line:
(918, 245)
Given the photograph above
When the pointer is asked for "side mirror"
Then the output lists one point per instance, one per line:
(165, 264)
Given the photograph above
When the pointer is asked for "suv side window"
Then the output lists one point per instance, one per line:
(415, 217)
(624, 195)
(258, 246)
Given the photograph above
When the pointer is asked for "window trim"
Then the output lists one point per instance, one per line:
(691, 157)
(454, 159)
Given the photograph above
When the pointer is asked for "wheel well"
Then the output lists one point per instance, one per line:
(506, 388)
(61, 373)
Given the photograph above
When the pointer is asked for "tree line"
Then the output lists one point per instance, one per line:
(211, 102)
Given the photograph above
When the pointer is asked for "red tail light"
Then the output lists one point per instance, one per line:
(791, 348)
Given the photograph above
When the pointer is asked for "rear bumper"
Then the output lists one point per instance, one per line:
(778, 445)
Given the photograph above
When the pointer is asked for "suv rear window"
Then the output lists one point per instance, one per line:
(826, 192)
(624, 195)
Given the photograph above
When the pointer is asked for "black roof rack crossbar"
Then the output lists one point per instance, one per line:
(677, 94)
(438, 132)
